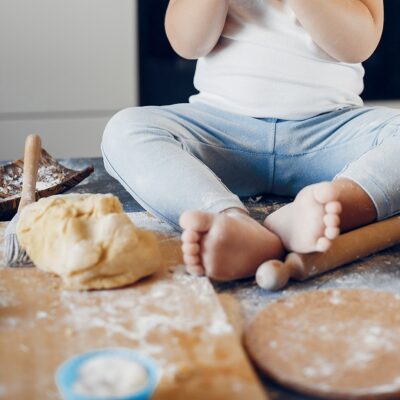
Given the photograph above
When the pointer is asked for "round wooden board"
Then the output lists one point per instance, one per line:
(339, 344)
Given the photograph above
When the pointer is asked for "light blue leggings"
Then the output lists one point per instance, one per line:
(196, 157)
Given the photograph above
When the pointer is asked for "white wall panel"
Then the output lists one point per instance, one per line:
(64, 64)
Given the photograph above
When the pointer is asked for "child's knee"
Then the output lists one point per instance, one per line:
(117, 127)
(122, 128)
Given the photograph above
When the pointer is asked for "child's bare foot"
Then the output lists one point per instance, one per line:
(226, 246)
(311, 222)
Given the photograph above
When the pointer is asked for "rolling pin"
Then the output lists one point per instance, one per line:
(348, 247)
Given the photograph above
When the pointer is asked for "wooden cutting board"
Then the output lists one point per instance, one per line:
(172, 317)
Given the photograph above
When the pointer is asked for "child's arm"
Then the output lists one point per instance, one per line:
(193, 27)
(348, 30)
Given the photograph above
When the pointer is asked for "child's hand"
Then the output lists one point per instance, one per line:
(193, 27)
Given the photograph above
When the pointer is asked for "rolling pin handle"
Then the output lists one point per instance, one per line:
(33, 145)
(272, 275)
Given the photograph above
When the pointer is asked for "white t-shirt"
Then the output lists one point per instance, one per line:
(266, 65)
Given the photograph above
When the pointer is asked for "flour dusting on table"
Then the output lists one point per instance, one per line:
(136, 316)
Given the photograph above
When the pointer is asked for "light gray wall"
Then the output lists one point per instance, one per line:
(66, 67)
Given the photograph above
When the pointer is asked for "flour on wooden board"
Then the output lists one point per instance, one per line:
(7, 299)
(172, 314)
(144, 220)
(47, 176)
(127, 314)
(340, 343)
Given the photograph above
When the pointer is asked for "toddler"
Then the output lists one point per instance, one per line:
(278, 111)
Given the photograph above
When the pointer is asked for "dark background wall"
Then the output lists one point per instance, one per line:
(165, 78)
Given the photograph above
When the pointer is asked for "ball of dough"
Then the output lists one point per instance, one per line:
(88, 240)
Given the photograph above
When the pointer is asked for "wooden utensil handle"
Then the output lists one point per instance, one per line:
(33, 145)
(348, 247)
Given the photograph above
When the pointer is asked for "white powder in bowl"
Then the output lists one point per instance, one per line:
(110, 376)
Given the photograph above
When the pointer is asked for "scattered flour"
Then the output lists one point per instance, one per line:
(144, 220)
(367, 341)
(24, 348)
(335, 298)
(108, 309)
(10, 322)
(7, 299)
(355, 344)
(41, 314)
(320, 368)
(323, 329)
(164, 310)
(43, 185)
(361, 347)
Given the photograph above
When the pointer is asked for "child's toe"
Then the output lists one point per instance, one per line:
(191, 260)
(324, 192)
(331, 220)
(196, 220)
(322, 244)
(332, 232)
(190, 236)
(333, 207)
(191, 249)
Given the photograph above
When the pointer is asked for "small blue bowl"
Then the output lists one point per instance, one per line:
(68, 372)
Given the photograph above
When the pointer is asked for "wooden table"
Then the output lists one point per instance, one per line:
(173, 317)
(381, 272)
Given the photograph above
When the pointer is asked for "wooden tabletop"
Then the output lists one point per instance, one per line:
(176, 319)
(380, 272)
